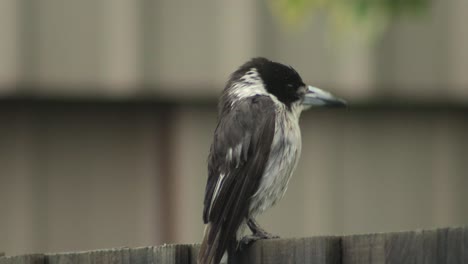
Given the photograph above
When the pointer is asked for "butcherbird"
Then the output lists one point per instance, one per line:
(255, 149)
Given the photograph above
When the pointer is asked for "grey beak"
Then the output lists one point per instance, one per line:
(317, 97)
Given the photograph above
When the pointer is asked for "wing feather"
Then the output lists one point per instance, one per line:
(237, 160)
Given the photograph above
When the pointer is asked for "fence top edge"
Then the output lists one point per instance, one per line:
(103, 250)
(403, 232)
(281, 240)
(33, 255)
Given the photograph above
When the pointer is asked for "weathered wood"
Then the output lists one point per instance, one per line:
(117, 256)
(194, 249)
(448, 246)
(142, 255)
(167, 254)
(172, 254)
(319, 250)
(24, 259)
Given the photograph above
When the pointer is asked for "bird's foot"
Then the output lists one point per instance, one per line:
(259, 231)
(248, 240)
(265, 235)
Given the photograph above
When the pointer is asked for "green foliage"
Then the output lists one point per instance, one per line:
(388, 7)
(367, 15)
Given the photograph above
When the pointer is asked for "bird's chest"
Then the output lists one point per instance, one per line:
(284, 154)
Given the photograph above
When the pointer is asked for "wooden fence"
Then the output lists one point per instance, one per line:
(441, 246)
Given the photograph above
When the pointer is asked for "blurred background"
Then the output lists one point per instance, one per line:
(107, 111)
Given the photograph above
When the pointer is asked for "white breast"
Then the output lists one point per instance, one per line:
(285, 152)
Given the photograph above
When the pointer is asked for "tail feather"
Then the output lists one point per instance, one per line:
(222, 227)
(221, 230)
(211, 250)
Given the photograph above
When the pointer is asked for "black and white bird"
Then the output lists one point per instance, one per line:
(255, 149)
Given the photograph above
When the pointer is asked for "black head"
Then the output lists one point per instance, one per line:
(280, 80)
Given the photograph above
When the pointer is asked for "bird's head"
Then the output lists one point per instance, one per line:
(281, 82)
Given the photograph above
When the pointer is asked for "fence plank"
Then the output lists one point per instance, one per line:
(68, 258)
(194, 249)
(457, 245)
(172, 254)
(318, 250)
(141, 255)
(117, 256)
(448, 246)
(24, 259)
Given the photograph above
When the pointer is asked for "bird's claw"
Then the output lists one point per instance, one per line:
(265, 235)
(248, 240)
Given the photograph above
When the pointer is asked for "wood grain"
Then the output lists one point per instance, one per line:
(447, 245)
(320, 250)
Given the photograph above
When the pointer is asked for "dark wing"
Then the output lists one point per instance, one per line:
(237, 160)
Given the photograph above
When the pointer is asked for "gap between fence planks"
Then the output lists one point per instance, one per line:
(447, 245)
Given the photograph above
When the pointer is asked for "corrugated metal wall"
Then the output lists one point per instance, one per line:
(111, 150)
